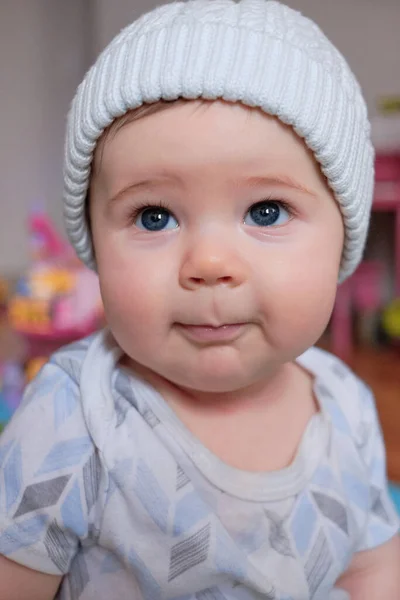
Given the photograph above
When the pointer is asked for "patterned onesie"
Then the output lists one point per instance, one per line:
(101, 482)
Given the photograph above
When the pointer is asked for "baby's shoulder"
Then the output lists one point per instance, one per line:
(345, 396)
(71, 358)
(57, 387)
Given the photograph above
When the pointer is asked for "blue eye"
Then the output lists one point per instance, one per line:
(266, 214)
(155, 218)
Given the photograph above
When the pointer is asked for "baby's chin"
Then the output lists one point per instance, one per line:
(213, 386)
(217, 378)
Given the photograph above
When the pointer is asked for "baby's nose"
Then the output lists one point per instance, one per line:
(210, 264)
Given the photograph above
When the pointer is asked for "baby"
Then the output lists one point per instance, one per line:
(219, 178)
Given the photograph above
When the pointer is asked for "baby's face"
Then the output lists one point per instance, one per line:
(218, 244)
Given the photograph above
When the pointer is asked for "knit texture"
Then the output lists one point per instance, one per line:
(257, 52)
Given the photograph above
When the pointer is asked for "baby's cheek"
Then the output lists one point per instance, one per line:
(128, 304)
(134, 305)
(298, 300)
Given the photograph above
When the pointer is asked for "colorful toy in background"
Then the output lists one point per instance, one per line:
(391, 322)
(58, 300)
(33, 367)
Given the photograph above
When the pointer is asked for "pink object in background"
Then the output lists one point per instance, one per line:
(45, 241)
(387, 199)
(77, 311)
(387, 167)
(58, 300)
(363, 292)
(367, 286)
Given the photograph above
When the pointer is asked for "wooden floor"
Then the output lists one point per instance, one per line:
(380, 368)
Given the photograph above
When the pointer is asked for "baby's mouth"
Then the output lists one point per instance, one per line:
(208, 333)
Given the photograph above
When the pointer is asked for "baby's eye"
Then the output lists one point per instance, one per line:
(267, 213)
(155, 218)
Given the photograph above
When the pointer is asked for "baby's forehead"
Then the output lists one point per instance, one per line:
(217, 146)
(194, 122)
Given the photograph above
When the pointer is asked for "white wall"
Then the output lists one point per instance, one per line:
(43, 55)
(366, 31)
(110, 16)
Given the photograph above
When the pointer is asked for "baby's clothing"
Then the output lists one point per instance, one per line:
(100, 481)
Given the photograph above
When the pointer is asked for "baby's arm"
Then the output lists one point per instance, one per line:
(374, 571)
(19, 583)
(374, 574)
(46, 459)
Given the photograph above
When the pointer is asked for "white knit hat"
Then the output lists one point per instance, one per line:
(257, 52)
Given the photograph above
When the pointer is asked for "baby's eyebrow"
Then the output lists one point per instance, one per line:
(286, 180)
(142, 185)
(252, 182)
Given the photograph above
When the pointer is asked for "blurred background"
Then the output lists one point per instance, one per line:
(46, 46)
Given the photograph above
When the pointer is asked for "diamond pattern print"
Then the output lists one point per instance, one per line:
(79, 577)
(278, 538)
(324, 391)
(356, 490)
(150, 417)
(22, 534)
(229, 560)
(91, 479)
(71, 366)
(123, 399)
(148, 585)
(13, 476)
(65, 402)
(120, 474)
(123, 387)
(318, 563)
(41, 495)
(72, 512)
(110, 564)
(51, 378)
(121, 408)
(340, 543)
(377, 505)
(58, 547)
(64, 454)
(189, 553)
(182, 479)
(189, 511)
(49, 512)
(339, 420)
(152, 496)
(333, 510)
(324, 478)
(339, 369)
(210, 594)
(304, 512)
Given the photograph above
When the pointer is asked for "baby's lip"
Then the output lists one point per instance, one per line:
(208, 333)
(211, 325)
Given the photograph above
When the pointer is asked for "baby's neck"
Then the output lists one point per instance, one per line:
(255, 429)
(269, 391)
